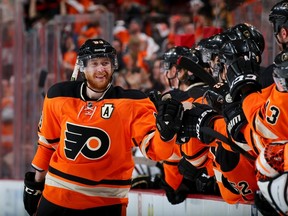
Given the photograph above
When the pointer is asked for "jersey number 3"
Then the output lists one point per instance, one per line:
(273, 117)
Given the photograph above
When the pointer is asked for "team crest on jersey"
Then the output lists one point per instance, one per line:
(90, 142)
(107, 110)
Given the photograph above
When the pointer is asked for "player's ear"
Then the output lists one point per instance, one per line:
(82, 74)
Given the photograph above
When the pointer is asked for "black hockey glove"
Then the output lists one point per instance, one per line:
(155, 97)
(176, 196)
(201, 115)
(206, 184)
(188, 170)
(235, 120)
(169, 118)
(242, 78)
(32, 192)
(217, 96)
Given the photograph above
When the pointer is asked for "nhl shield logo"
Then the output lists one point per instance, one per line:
(106, 111)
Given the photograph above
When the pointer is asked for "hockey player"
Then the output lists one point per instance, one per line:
(265, 113)
(259, 110)
(185, 87)
(227, 162)
(271, 163)
(266, 125)
(278, 18)
(83, 164)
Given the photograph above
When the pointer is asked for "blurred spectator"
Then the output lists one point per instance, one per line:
(79, 6)
(89, 30)
(158, 28)
(7, 49)
(147, 43)
(134, 58)
(222, 16)
(7, 117)
(157, 7)
(204, 19)
(40, 11)
(117, 44)
(93, 29)
(138, 80)
(69, 56)
(120, 80)
(194, 7)
(156, 73)
(7, 11)
(131, 9)
(121, 32)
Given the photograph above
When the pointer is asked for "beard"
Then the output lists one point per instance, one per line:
(98, 85)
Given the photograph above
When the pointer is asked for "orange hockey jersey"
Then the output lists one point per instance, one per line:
(170, 166)
(268, 115)
(86, 145)
(235, 174)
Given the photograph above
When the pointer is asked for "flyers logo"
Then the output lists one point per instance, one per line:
(92, 143)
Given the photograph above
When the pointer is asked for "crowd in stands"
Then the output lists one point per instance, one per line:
(142, 32)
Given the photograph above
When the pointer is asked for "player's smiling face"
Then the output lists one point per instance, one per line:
(98, 73)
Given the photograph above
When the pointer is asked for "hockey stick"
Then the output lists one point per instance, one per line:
(74, 75)
(197, 70)
(41, 82)
(233, 145)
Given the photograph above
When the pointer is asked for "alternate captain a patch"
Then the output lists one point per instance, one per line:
(106, 111)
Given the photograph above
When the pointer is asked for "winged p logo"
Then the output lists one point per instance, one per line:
(93, 143)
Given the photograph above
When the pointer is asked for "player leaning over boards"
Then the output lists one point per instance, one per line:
(88, 128)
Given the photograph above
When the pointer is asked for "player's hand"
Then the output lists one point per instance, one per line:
(217, 96)
(201, 115)
(169, 118)
(32, 192)
(176, 196)
(206, 184)
(188, 171)
(235, 120)
(242, 78)
(155, 97)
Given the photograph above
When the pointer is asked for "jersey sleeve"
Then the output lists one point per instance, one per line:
(48, 133)
(267, 115)
(170, 167)
(144, 133)
(195, 152)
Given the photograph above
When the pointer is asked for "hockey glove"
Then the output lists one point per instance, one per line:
(32, 192)
(217, 96)
(201, 115)
(188, 170)
(155, 97)
(169, 118)
(242, 78)
(235, 120)
(206, 184)
(176, 196)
